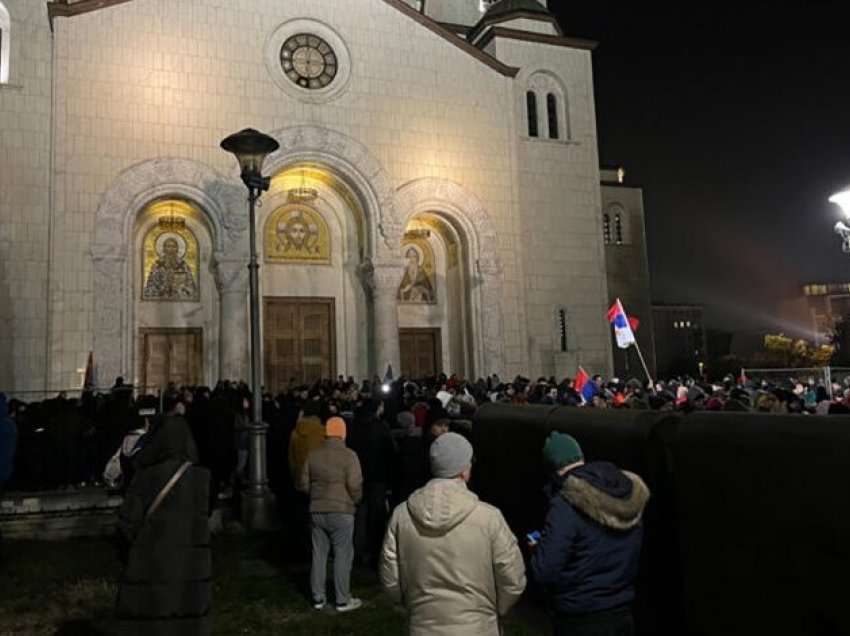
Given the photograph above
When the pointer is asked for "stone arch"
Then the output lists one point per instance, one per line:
(222, 202)
(358, 167)
(467, 213)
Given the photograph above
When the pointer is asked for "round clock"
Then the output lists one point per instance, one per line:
(308, 61)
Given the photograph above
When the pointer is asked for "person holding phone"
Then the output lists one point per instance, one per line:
(586, 557)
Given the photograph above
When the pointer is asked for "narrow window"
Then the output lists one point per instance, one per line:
(562, 328)
(618, 229)
(552, 107)
(5, 44)
(531, 101)
(606, 229)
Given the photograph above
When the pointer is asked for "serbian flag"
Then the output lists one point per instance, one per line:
(584, 386)
(622, 327)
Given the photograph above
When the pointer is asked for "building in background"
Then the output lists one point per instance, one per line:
(680, 340)
(627, 265)
(435, 203)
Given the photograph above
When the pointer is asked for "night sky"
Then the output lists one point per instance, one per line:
(737, 124)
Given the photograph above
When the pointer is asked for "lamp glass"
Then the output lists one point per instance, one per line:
(842, 200)
(251, 148)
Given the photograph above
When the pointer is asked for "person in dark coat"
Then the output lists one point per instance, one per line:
(8, 442)
(166, 585)
(412, 466)
(586, 560)
(371, 439)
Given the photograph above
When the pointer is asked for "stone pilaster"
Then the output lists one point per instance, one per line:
(382, 280)
(231, 277)
(110, 263)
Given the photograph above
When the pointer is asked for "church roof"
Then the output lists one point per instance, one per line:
(506, 7)
(70, 8)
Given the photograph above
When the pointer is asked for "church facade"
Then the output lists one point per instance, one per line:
(435, 203)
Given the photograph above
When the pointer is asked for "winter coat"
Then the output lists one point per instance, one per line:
(370, 438)
(452, 561)
(166, 586)
(307, 436)
(587, 558)
(331, 476)
(8, 442)
(412, 467)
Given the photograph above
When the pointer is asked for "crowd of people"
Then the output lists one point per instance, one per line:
(373, 471)
(65, 442)
(396, 498)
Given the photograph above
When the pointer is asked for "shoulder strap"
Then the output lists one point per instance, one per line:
(167, 489)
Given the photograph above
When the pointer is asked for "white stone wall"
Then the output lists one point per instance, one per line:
(25, 179)
(559, 210)
(153, 79)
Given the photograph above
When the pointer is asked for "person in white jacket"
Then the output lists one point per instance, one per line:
(449, 558)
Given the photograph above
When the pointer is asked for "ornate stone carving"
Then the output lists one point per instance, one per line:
(220, 198)
(381, 277)
(231, 275)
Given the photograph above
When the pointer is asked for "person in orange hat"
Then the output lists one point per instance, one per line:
(332, 478)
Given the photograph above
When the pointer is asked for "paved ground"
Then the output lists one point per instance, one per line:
(68, 589)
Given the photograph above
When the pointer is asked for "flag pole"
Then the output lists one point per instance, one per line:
(643, 362)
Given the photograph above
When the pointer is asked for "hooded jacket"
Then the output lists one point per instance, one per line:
(452, 561)
(587, 558)
(166, 585)
(307, 436)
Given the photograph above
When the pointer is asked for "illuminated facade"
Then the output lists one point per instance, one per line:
(435, 202)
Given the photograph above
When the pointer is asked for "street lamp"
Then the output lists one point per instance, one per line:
(251, 149)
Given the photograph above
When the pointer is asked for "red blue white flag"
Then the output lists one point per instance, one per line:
(622, 327)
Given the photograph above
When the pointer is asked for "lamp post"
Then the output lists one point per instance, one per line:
(842, 200)
(251, 149)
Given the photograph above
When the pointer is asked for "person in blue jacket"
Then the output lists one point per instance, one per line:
(586, 558)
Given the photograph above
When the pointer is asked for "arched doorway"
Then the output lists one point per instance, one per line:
(314, 305)
(433, 299)
(175, 308)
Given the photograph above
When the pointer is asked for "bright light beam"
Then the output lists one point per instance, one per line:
(842, 200)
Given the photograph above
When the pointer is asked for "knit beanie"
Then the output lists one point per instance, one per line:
(561, 450)
(451, 454)
(335, 427)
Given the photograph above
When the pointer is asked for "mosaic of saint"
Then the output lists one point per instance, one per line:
(419, 283)
(297, 233)
(170, 262)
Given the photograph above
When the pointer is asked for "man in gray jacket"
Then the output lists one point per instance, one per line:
(450, 559)
(333, 479)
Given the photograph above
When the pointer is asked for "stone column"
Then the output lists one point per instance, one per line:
(383, 279)
(110, 263)
(231, 275)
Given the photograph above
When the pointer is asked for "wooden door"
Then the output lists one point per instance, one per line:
(299, 341)
(421, 352)
(172, 355)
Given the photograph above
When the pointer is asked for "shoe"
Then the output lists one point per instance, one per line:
(353, 604)
(317, 605)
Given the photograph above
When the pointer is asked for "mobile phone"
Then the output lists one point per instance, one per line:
(534, 537)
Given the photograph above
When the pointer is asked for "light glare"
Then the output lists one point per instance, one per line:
(842, 200)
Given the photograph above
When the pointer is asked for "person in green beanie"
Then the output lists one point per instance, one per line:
(586, 558)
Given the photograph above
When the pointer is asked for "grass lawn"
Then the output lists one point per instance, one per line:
(68, 589)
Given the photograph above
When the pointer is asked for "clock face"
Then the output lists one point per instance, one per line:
(308, 61)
